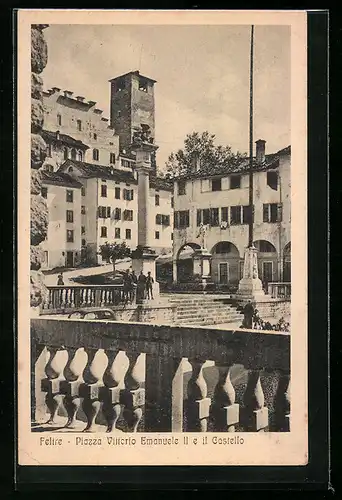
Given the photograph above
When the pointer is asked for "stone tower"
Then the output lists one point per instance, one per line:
(131, 106)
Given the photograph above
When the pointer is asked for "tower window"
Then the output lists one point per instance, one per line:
(80, 156)
(73, 154)
(112, 158)
(79, 125)
(95, 137)
(65, 153)
(59, 119)
(120, 84)
(96, 154)
(157, 200)
(143, 85)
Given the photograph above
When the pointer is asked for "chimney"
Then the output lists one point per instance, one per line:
(260, 150)
(91, 103)
(68, 93)
(80, 98)
(55, 89)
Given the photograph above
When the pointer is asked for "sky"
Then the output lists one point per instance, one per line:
(202, 75)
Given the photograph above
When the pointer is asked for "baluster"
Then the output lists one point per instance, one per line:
(282, 403)
(52, 384)
(66, 301)
(90, 389)
(198, 405)
(225, 410)
(72, 297)
(89, 296)
(97, 297)
(102, 297)
(77, 297)
(83, 296)
(110, 393)
(50, 298)
(133, 396)
(255, 413)
(70, 387)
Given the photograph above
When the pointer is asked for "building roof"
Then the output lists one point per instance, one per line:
(59, 179)
(137, 73)
(235, 166)
(63, 138)
(90, 170)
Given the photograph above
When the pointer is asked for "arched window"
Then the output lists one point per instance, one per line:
(80, 156)
(95, 154)
(73, 154)
(65, 153)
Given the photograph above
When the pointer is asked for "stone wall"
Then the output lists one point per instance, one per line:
(274, 308)
(39, 210)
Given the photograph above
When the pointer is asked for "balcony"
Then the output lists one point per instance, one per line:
(98, 376)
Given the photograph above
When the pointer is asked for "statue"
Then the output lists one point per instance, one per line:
(142, 134)
(201, 234)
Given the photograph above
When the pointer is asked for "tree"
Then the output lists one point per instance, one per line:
(111, 252)
(200, 151)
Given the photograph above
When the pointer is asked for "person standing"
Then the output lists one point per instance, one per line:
(60, 281)
(126, 286)
(248, 312)
(149, 285)
(134, 282)
(141, 287)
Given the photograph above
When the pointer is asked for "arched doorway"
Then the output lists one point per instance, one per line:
(185, 262)
(267, 261)
(225, 263)
(287, 262)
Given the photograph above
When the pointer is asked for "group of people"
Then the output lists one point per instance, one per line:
(139, 287)
(252, 320)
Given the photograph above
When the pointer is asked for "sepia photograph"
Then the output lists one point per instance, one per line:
(162, 203)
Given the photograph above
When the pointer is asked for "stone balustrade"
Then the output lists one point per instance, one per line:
(61, 298)
(130, 377)
(279, 290)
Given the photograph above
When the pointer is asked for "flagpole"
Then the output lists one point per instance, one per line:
(251, 208)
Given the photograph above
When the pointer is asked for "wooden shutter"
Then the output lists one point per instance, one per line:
(279, 212)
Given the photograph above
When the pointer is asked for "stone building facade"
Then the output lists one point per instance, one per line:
(74, 128)
(80, 144)
(62, 247)
(211, 211)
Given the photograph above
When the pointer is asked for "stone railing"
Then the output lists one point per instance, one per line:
(279, 290)
(70, 297)
(91, 374)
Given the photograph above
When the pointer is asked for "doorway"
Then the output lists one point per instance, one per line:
(267, 271)
(224, 273)
(70, 259)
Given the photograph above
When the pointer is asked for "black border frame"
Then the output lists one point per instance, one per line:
(314, 476)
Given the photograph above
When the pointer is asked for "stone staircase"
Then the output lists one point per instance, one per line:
(198, 309)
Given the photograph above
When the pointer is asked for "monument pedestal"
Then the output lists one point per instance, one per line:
(250, 286)
(202, 263)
